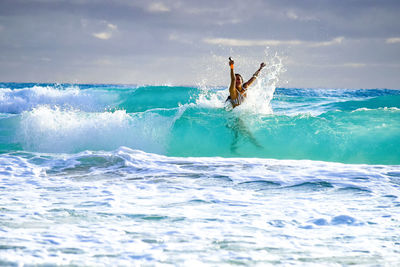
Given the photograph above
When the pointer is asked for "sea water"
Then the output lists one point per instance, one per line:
(105, 175)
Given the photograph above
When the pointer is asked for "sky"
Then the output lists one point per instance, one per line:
(320, 43)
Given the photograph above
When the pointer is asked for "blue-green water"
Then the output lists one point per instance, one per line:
(100, 175)
(349, 126)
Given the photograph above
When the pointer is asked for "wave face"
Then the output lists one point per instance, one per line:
(346, 125)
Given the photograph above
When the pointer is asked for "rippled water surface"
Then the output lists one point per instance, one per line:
(126, 206)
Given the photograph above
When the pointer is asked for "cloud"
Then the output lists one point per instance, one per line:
(241, 42)
(337, 40)
(394, 40)
(102, 35)
(105, 35)
(354, 65)
(177, 28)
(112, 26)
(294, 16)
(179, 38)
(158, 7)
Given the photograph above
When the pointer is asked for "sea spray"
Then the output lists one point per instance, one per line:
(56, 130)
(27, 98)
(259, 94)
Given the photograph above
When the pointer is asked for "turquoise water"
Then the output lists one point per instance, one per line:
(348, 126)
(100, 175)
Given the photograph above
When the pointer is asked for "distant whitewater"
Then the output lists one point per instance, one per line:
(107, 175)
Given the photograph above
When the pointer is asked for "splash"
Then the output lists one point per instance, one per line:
(259, 95)
(25, 99)
(56, 130)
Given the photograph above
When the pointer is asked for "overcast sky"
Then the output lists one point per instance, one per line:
(322, 43)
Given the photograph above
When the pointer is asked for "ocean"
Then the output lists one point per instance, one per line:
(106, 175)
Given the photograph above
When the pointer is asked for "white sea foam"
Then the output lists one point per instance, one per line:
(56, 130)
(259, 94)
(209, 99)
(128, 207)
(393, 109)
(17, 167)
(283, 172)
(19, 100)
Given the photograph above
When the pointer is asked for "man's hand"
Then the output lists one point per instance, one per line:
(262, 65)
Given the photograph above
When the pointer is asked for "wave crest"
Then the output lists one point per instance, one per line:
(55, 130)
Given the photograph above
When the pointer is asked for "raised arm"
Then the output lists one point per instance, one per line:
(255, 75)
(232, 90)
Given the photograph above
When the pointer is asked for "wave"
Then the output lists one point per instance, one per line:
(241, 173)
(151, 97)
(55, 130)
(341, 93)
(363, 136)
(263, 98)
(291, 102)
(24, 99)
(96, 98)
(361, 126)
(360, 136)
(388, 101)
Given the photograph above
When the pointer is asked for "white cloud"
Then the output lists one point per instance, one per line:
(394, 40)
(295, 16)
(158, 7)
(105, 35)
(334, 41)
(112, 26)
(241, 42)
(292, 15)
(223, 22)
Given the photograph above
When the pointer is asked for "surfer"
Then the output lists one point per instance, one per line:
(237, 89)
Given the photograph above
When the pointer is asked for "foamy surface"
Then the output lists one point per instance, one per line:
(129, 207)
